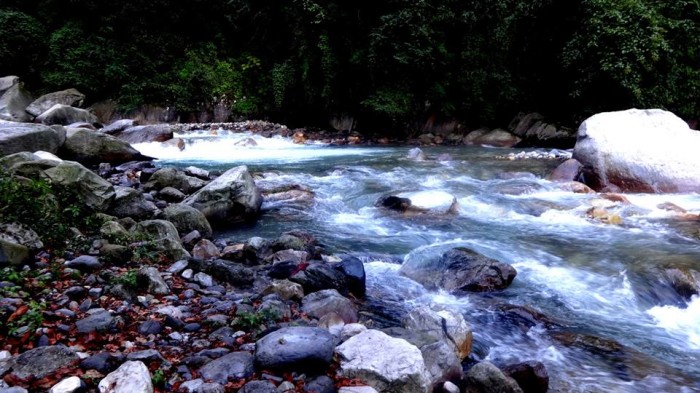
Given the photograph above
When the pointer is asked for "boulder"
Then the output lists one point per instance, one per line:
(259, 387)
(234, 365)
(92, 147)
(328, 301)
(150, 278)
(205, 249)
(21, 137)
(64, 115)
(354, 271)
(318, 276)
(187, 219)
(532, 376)
(129, 202)
(6, 82)
(17, 243)
(171, 194)
(569, 170)
(13, 253)
(471, 137)
(14, 100)
(227, 271)
(70, 97)
(285, 290)
(301, 349)
(615, 149)
(484, 377)
(130, 377)
(231, 198)
(118, 126)
(100, 320)
(84, 263)
(165, 236)
(460, 269)
(40, 362)
(441, 362)
(443, 325)
(93, 190)
(497, 138)
(171, 177)
(398, 367)
(535, 131)
(148, 133)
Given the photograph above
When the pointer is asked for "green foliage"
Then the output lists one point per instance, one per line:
(158, 378)
(128, 279)
(22, 43)
(32, 319)
(252, 321)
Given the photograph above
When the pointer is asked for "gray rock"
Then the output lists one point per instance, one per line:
(302, 349)
(320, 276)
(359, 358)
(205, 249)
(129, 202)
(204, 279)
(93, 190)
(70, 97)
(150, 326)
(484, 377)
(532, 376)
(171, 177)
(150, 278)
(14, 101)
(357, 389)
(442, 362)
(13, 253)
(354, 271)
(40, 362)
(103, 362)
(460, 269)
(235, 365)
(233, 197)
(227, 271)
(147, 355)
(171, 194)
(351, 329)
(497, 138)
(68, 385)
(166, 237)
(187, 219)
(569, 170)
(118, 126)
(197, 172)
(130, 377)
(320, 303)
(147, 133)
(443, 325)
(178, 266)
(84, 263)
(285, 289)
(64, 115)
(25, 137)
(92, 147)
(320, 384)
(100, 321)
(17, 243)
(258, 387)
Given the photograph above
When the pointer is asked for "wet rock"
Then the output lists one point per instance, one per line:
(685, 282)
(359, 358)
(205, 249)
(259, 387)
(165, 236)
(576, 187)
(100, 321)
(150, 278)
(130, 377)
(118, 126)
(147, 133)
(17, 243)
(613, 149)
(228, 271)
(68, 385)
(532, 376)
(484, 377)
(432, 202)
(460, 269)
(230, 198)
(197, 172)
(235, 365)
(300, 349)
(604, 216)
(569, 170)
(187, 219)
(441, 362)
(150, 326)
(40, 362)
(295, 240)
(171, 177)
(416, 154)
(318, 276)
(129, 202)
(104, 362)
(64, 115)
(327, 301)
(320, 384)
(395, 203)
(443, 325)
(354, 271)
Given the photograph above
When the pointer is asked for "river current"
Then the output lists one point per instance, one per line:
(589, 299)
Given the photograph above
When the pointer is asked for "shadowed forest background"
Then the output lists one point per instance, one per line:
(390, 65)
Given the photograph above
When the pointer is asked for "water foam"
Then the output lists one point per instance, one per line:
(683, 323)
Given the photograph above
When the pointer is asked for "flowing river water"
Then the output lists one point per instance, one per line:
(589, 299)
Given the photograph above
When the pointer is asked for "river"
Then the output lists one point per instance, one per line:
(612, 323)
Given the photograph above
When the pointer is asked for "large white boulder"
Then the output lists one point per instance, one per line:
(130, 377)
(388, 364)
(639, 151)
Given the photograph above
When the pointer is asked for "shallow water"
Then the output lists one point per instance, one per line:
(591, 278)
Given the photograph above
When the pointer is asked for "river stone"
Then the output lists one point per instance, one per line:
(130, 377)
(301, 349)
(484, 377)
(532, 376)
(460, 269)
(259, 387)
(357, 389)
(569, 170)
(92, 147)
(147, 133)
(233, 197)
(149, 277)
(165, 236)
(187, 219)
(285, 289)
(442, 362)
(320, 384)
(171, 194)
(205, 249)
(13, 253)
(14, 100)
(64, 115)
(68, 385)
(318, 276)
(371, 356)
(84, 263)
(129, 202)
(328, 301)
(25, 137)
(235, 365)
(40, 362)
(497, 138)
(433, 202)
(93, 190)
(230, 272)
(171, 177)
(443, 325)
(70, 97)
(99, 321)
(118, 126)
(354, 271)
(614, 149)
(197, 172)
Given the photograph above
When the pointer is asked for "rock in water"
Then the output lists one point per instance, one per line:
(130, 377)
(387, 364)
(639, 151)
(484, 377)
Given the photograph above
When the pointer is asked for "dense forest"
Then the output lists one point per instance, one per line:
(391, 64)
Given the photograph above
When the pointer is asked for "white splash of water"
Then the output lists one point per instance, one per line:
(683, 323)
